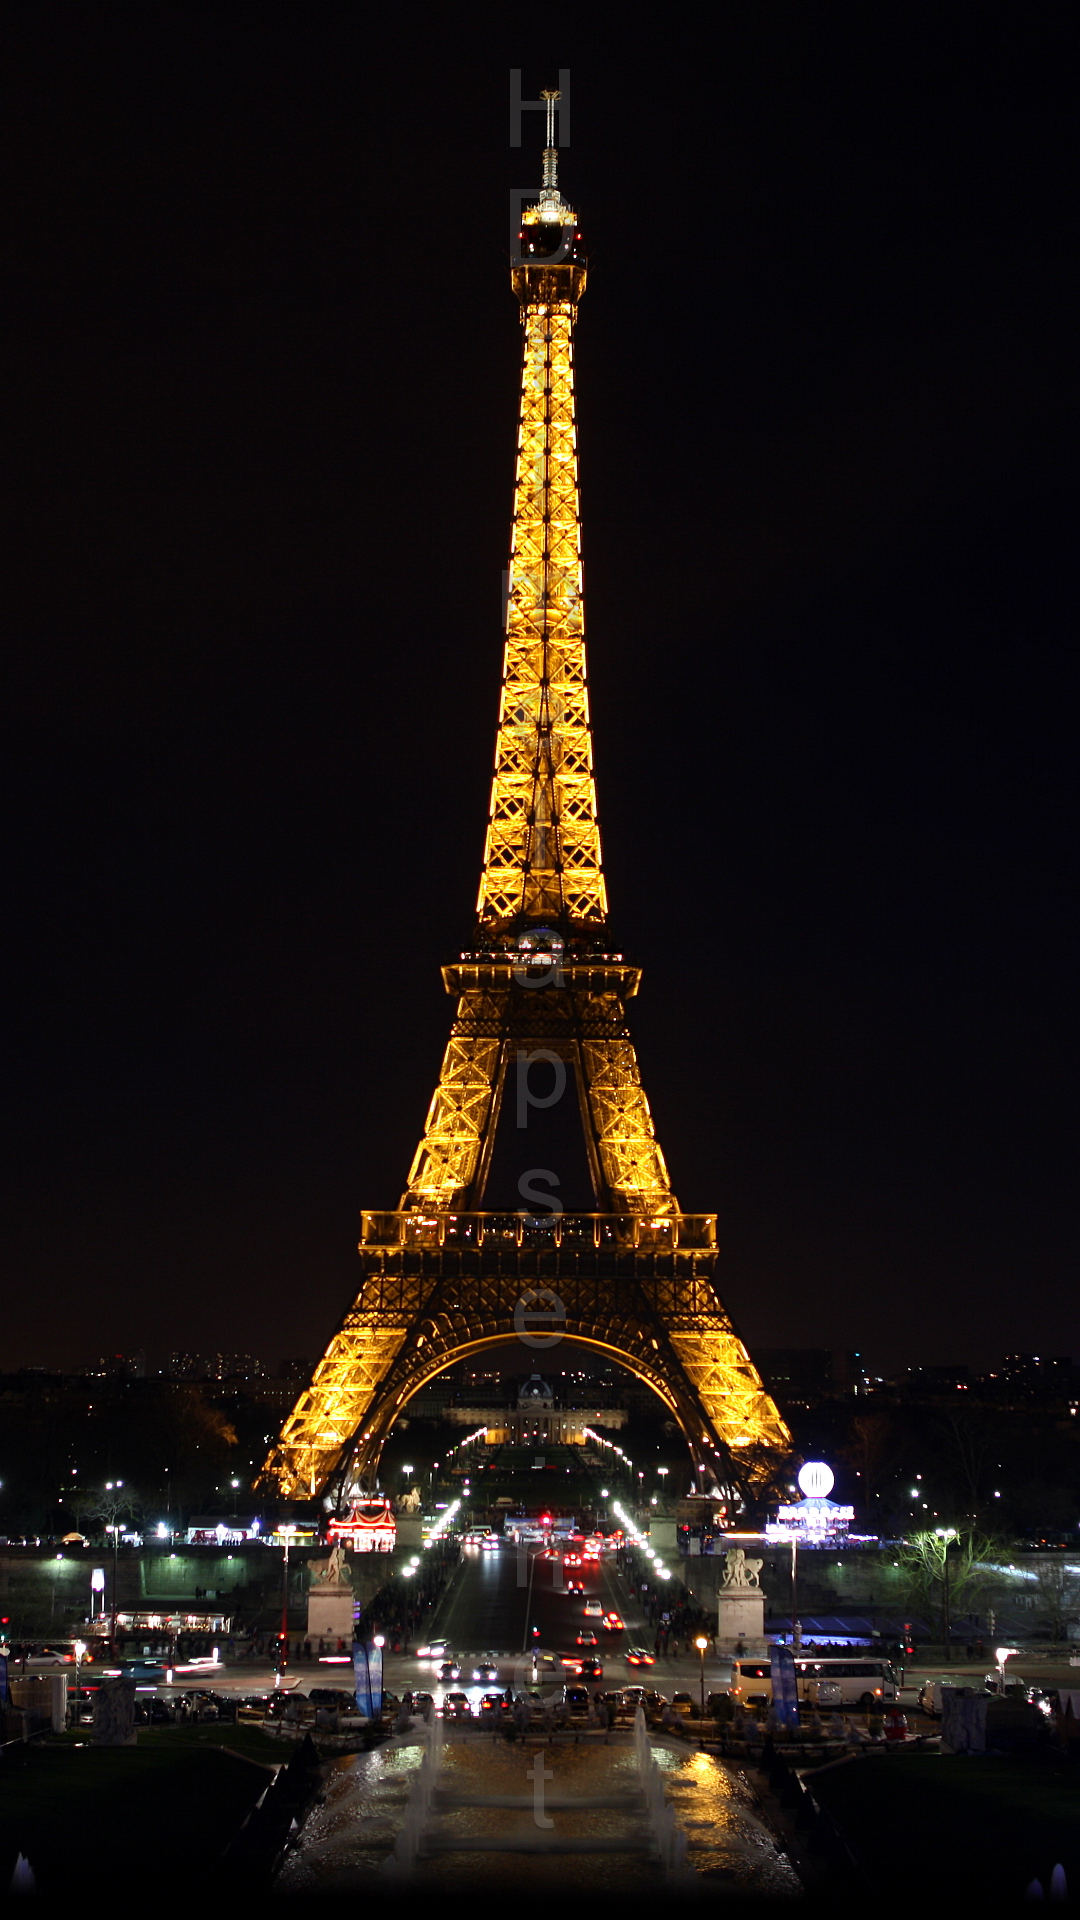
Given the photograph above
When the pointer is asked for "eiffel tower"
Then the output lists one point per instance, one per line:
(539, 996)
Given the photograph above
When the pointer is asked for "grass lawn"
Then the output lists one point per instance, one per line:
(155, 1816)
(968, 1829)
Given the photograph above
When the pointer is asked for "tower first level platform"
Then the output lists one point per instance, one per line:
(438, 1287)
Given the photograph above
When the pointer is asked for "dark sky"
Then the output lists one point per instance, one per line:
(262, 380)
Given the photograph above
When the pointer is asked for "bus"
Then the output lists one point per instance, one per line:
(846, 1680)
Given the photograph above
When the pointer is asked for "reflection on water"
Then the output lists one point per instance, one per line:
(590, 1798)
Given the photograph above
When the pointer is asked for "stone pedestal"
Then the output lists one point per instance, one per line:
(330, 1600)
(741, 1620)
(664, 1538)
(330, 1614)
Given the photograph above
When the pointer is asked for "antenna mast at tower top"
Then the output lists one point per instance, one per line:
(551, 151)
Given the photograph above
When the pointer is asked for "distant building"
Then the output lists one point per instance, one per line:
(798, 1376)
(536, 1416)
(118, 1366)
(214, 1366)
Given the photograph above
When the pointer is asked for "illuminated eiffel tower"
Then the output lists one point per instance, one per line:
(540, 993)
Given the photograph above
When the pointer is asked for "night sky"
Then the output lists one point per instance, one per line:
(262, 391)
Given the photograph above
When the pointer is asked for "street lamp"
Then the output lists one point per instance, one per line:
(701, 1643)
(114, 1486)
(945, 1534)
(79, 1649)
(287, 1532)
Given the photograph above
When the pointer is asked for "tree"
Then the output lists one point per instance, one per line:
(1058, 1589)
(946, 1572)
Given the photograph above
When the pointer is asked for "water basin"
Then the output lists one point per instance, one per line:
(527, 1812)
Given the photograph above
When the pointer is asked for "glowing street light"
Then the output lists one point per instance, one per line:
(945, 1534)
(701, 1643)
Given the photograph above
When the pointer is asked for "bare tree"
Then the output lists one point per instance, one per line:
(1057, 1587)
(946, 1572)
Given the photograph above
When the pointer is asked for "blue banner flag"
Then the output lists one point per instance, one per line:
(785, 1687)
(368, 1678)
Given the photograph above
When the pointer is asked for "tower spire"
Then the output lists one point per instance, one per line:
(542, 857)
(551, 152)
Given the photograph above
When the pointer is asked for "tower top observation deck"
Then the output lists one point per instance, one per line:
(551, 263)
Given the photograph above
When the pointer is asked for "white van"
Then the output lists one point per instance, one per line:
(854, 1680)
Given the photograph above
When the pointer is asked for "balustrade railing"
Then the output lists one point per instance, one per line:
(621, 1232)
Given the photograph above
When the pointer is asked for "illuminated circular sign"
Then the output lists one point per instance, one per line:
(816, 1480)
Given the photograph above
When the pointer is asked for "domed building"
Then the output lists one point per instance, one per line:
(536, 1415)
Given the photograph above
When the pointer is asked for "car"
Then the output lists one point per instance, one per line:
(586, 1638)
(81, 1706)
(646, 1697)
(196, 1705)
(575, 1586)
(576, 1699)
(683, 1703)
(154, 1670)
(640, 1657)
(152, 1712)
(422, 1702)
(332, 1697)
(929, 1698)
(254, 1706)
(485, 1669)
(51, 1656)
(593, 1610)
(1020, 1692)
(571, 1559)
(284, 1706)
(491, 1706)
(449, 1670)
(433, 1650)
(590, 1669)
(613, 1622)
(456, 1706)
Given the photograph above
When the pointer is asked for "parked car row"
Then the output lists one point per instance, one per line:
(1020, 1691)
(153, 1710)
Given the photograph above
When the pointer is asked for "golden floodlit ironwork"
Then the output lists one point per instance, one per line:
(443, 1277)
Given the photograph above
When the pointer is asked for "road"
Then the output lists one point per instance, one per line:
(498, 1596)
(494, 1601)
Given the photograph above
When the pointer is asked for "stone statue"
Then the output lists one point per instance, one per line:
(333, 1572)
(739, 1571)
(410, 1502)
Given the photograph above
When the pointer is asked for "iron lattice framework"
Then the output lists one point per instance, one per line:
(442, 1278)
